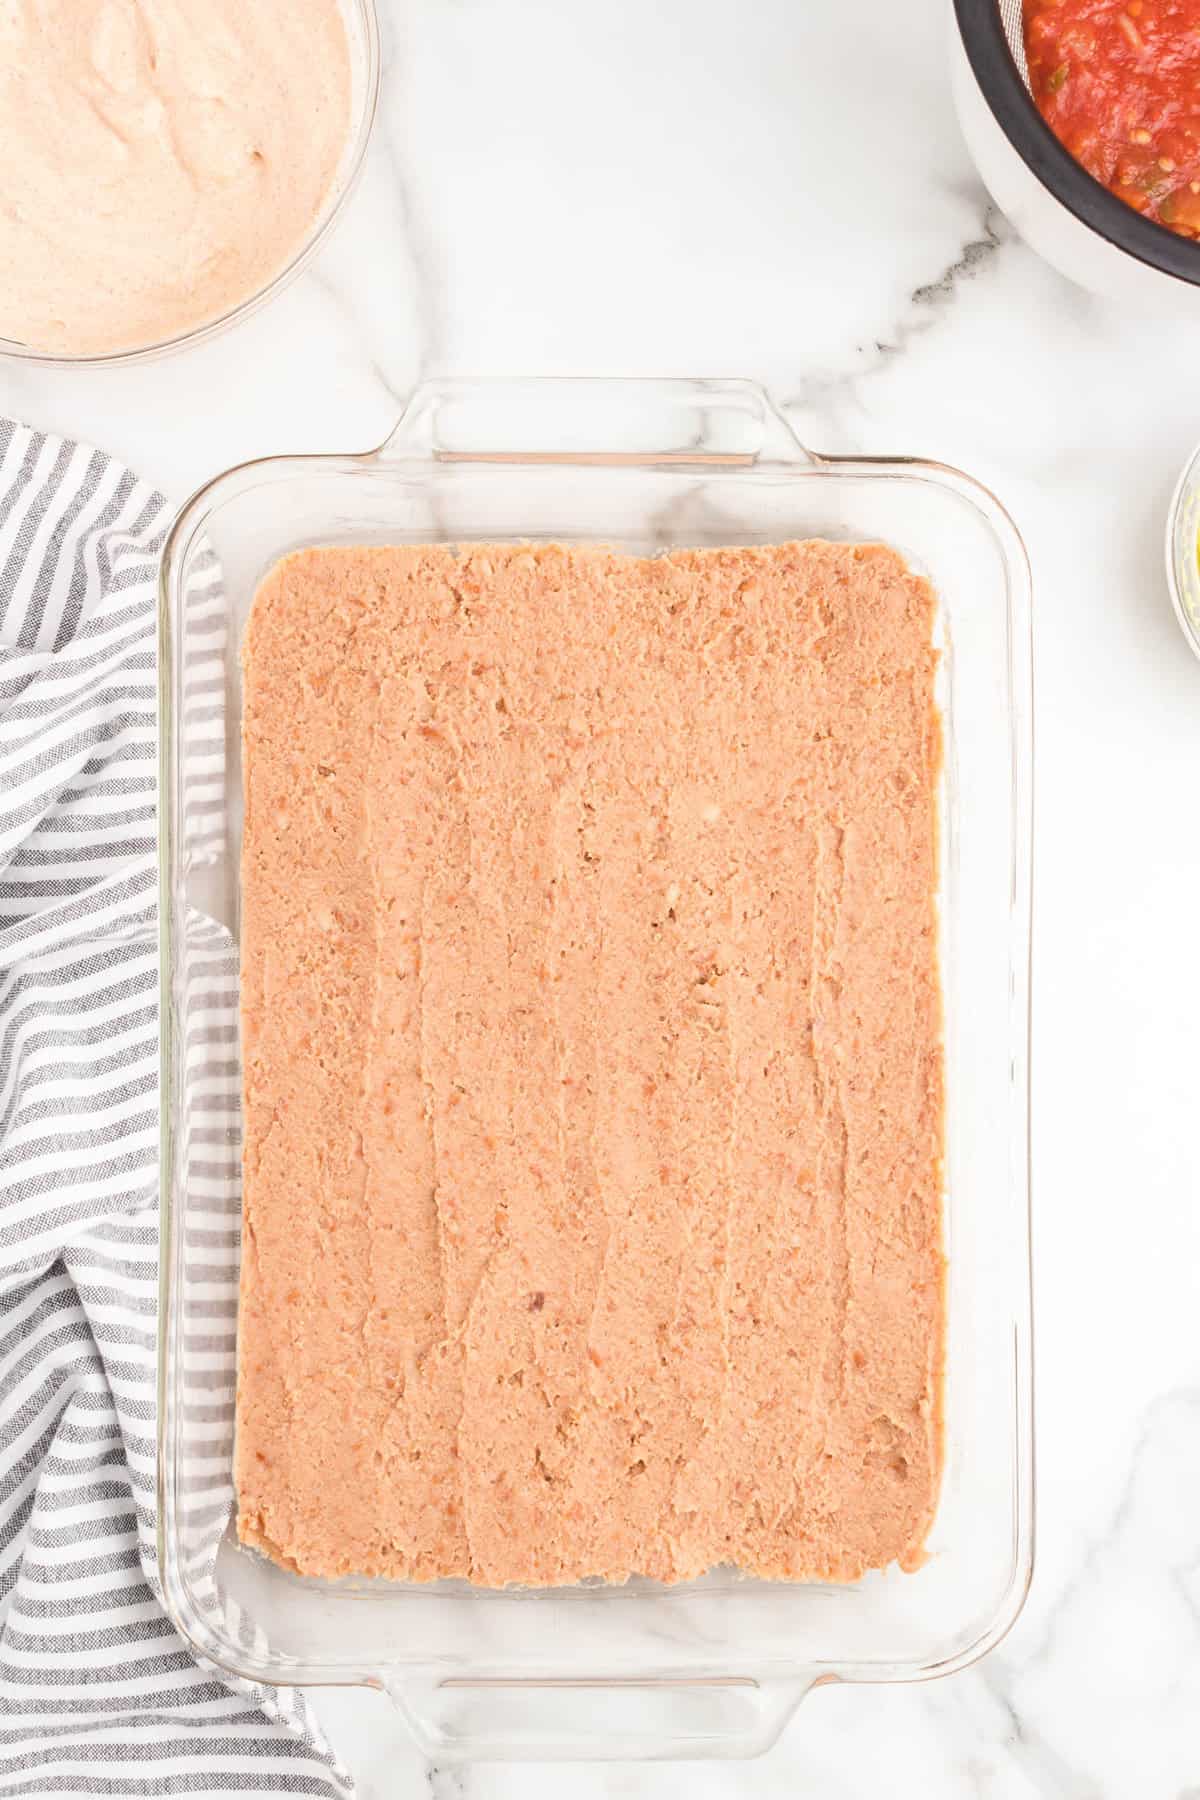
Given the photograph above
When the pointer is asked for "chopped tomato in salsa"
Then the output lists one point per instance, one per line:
(1118, 82)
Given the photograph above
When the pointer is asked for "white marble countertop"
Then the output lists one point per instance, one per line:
(780, 191)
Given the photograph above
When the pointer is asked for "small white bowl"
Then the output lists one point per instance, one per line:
(1183, 550)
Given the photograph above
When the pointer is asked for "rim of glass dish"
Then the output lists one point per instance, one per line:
(808, 463)
(1051, 163)
(368, 20)
(1188, 479)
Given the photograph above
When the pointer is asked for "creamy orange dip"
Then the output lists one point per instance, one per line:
(160, 160)
(592, 1063)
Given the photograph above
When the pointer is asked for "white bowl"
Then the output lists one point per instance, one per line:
(1183, 550)
(1066, 215)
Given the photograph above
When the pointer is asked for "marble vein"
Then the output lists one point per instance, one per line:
(834, 395)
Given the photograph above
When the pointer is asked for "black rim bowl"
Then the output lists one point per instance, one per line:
(1089, 200)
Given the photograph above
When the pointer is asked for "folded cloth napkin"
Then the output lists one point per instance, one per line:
(98, 1693)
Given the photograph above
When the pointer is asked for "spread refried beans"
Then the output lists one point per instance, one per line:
(592, 1061)
(159, 164)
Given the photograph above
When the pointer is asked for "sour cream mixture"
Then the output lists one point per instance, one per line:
(160, 160)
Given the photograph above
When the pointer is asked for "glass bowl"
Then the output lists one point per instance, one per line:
(362, 34)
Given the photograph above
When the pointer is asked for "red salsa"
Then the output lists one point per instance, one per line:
(1118, 82)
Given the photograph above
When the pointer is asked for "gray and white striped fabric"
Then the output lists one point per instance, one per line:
(98, 1694)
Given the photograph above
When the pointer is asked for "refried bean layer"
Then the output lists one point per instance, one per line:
(592, 1064)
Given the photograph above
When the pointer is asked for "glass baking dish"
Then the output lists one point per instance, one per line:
(713, 1667)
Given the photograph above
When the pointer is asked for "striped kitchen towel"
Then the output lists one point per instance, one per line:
(98, 1693)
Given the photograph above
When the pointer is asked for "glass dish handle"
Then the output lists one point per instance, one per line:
(564, 1719)
(594, 421)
